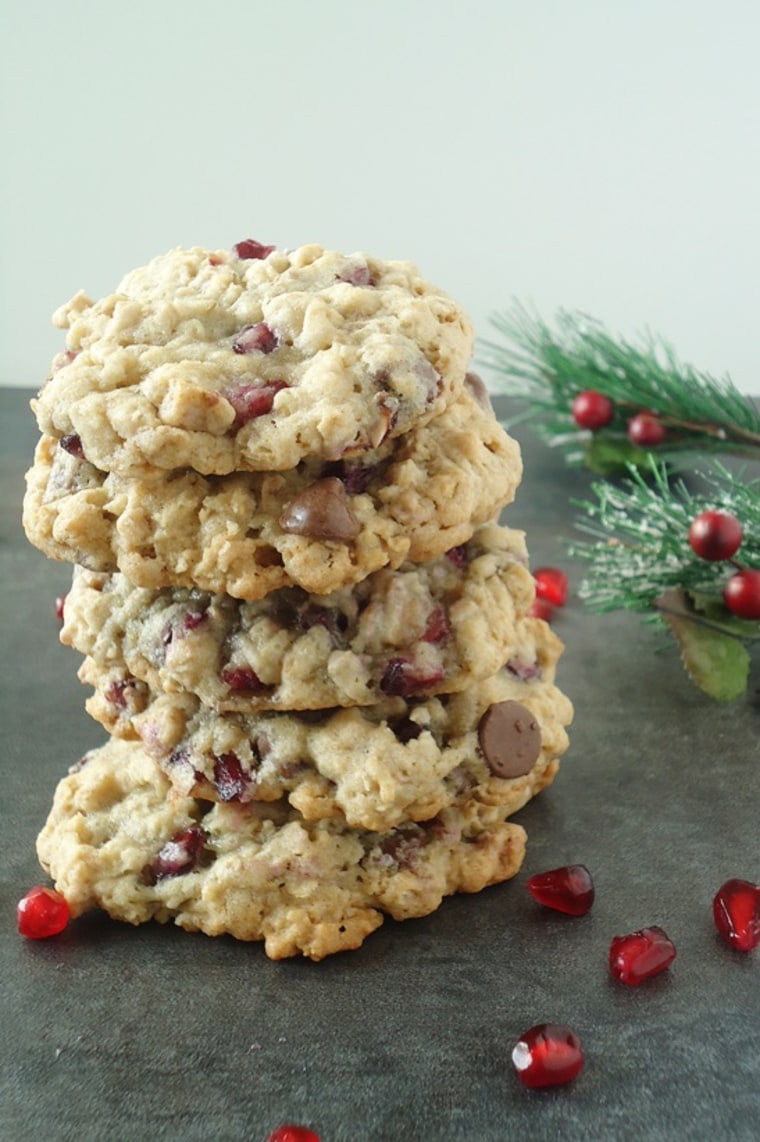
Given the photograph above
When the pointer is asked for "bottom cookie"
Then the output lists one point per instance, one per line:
(120, 838)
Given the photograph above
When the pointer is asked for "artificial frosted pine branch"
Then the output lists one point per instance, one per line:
(640, 556)
(547, 369)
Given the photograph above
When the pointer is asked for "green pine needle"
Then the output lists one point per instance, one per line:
(544, 369)
(639, 546)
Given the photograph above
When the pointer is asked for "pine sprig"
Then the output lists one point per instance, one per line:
(544, 369)
(639, 558)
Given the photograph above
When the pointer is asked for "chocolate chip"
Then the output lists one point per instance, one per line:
(510, 739)
(321, 511)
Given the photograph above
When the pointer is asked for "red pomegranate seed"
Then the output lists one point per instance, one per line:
(258, 338)
(569, 889)
(736, 910)
(292, 1134)
(180, 854)
(547, 1055)
(400, 678)
(252, 401)
(43, 912)
(241, 678)
(437, 628)
(551, 585)
(541, 609)
(640, 955)
(250, 249)
(60, 603)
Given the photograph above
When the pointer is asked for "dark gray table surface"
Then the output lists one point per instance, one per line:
(114, 1032)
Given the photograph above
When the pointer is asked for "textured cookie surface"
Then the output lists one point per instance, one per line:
(375, 765)
(321, 527)
(120, 839)
(221, 362)
(425, 628)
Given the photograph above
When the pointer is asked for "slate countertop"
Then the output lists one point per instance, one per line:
(113, 1032)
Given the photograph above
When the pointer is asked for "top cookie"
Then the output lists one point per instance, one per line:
(253, 359)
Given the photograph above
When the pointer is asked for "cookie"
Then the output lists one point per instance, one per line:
(120, 839)
(320, 527)
(374, 765)
(221, 361)
(425, 628)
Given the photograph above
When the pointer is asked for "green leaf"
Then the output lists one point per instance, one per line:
(613, 455)
(716, 662)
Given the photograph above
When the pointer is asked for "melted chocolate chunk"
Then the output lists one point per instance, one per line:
(321, 511)
(510, 739)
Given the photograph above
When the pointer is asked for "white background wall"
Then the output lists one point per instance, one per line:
(588, 154)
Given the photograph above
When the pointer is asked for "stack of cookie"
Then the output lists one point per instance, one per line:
(306, 633)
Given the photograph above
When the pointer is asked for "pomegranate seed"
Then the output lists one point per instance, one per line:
(715, 535)
(252, 401)
(569, 889)
(547, 1055)
(241, 678)
(640, 955)
(249, 249)
(437, 628)
(541, 609)
(592, 410)
(43, 912)
(551, 585)
(230, 780)
(60, 603)
(356, 276)
(292, 1134)
(646, 430)
(72, 444)
(458, 556)
(180, 854)
(736, 910)
(400, 678)
(257, 338)
(741, 594)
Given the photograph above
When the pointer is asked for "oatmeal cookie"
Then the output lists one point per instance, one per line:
(221, 361)
(121, 839)
(498, 742)
(422, 629)
(320, 527)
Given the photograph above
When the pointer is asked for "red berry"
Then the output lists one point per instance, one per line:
(551, 585)
(715, 535)
(639, 955)
(43, 912)
(292, 1134)
(741, 594)
(646, 430)
(736, 910)
(60, 603)
(569, 889)
(592, 410)
(541, 609)
(547, 1055)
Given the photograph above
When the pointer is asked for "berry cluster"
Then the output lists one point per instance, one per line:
(593, 410)
(550, 1054)
(717, 536)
